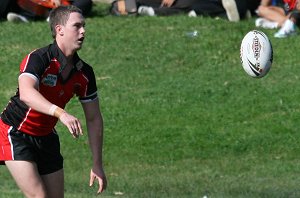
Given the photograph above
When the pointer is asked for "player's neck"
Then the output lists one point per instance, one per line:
(67, 52)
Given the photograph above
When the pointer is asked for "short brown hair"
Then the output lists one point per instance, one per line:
(60, 16)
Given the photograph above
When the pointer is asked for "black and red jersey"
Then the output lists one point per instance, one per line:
(46, 64)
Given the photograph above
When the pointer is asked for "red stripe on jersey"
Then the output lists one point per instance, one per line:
(24, 118)
(24, 63)
(86, 88)
(6, 147)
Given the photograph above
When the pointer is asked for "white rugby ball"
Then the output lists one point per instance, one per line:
(256, 54)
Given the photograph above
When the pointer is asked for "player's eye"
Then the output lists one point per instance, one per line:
(79, 25)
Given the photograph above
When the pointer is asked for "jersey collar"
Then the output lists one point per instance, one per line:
(58, 54)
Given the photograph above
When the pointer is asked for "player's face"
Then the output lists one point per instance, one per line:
(74, 31)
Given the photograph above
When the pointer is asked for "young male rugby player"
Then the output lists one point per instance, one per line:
(49, 78)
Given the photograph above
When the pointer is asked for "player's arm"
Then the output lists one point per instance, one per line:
(28, 89)
(29, 94)
(94, 124)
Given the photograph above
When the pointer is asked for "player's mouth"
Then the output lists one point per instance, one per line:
(81, 40)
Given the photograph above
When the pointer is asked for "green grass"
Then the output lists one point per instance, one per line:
(182, 118)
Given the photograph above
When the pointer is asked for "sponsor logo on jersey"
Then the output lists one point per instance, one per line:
(50, 80)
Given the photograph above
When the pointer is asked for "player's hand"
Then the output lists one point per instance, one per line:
(72, 123)
(167, 3)
(101, 180)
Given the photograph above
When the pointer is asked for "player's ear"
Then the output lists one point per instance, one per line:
(59, 30)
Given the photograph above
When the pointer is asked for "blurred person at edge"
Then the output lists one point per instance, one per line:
(164, 7)
(283, 14)
(233, 10)
(49, 77)
(33, 10)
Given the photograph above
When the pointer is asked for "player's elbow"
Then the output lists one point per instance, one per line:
(26, 98)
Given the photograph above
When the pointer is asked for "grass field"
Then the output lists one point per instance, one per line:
(182, 118)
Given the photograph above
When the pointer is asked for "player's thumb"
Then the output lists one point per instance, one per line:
(92, 178)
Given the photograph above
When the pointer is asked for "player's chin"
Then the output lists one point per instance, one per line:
(78, 45)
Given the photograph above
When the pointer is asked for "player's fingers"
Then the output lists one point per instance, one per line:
(71, 130)
(80, 131)
(74, 131)
(79, 127)
(72, 124)
(76, 128)
(100, 190)
(75, 135)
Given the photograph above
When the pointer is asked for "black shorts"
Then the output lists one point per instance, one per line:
(43, 150)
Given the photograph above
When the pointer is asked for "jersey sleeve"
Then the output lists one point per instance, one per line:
(32, 64)
(89, 92)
